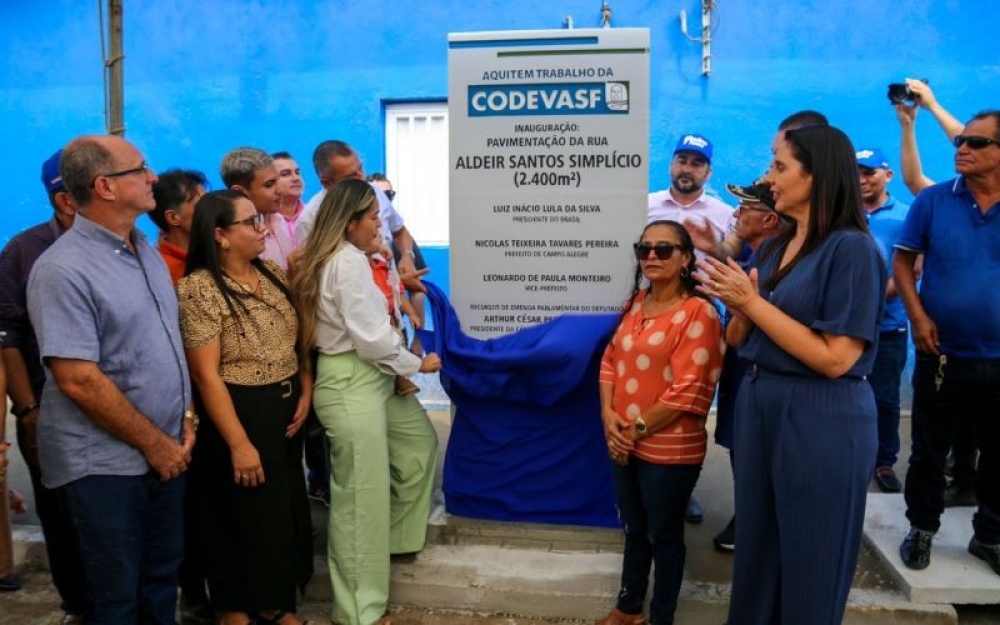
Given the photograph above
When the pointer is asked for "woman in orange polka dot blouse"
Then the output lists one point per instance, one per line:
(658, 378)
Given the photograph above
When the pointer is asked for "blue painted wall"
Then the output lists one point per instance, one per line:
(205, 77)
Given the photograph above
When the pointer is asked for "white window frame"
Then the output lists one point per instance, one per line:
(416, 161)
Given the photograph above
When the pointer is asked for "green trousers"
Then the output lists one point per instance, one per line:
(383, 450)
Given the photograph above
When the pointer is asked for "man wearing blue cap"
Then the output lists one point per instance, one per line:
(686, 200)
(687, 203)
(25, 378)
(885, 220)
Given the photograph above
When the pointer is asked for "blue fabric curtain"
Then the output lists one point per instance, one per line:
(527, 442)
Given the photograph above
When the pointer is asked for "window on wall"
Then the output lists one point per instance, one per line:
(416, 158)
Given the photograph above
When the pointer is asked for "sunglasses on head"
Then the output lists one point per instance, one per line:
(663, 251)
(974, 142)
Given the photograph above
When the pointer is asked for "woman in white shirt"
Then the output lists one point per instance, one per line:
(382, 446)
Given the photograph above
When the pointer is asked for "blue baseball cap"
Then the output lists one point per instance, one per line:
(51, 177)
(695, 143)
(872, 158)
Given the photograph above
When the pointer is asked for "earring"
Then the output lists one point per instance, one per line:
(224, 244)
(685, 272)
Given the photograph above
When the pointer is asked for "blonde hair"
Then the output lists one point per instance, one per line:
(346, 201)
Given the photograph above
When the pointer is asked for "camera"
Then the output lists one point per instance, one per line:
(899, 92)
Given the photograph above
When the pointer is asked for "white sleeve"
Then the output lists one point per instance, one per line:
(308, 217)
(391, 220)
(724, 218)
(366, 317)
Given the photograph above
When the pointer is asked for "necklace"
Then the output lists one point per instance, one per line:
(245, 285)
(653, 308)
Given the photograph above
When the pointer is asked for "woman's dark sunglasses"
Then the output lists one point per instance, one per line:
(663, 251)
(974, 142)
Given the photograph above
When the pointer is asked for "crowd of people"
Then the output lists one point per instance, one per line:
(815, 273)
(165, 395)
(121, 356)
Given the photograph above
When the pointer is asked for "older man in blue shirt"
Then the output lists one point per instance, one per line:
(956, 329)
(115, 431)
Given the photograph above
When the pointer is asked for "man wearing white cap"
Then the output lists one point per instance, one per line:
(885, 220)
(686, 202)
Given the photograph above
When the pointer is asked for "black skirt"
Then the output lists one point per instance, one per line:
(257, 542)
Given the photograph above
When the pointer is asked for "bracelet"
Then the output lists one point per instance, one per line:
(20, 413)
(192, 416)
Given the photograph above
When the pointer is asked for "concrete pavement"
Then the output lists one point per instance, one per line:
(556, 574)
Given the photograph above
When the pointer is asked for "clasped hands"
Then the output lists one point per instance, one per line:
(728, 283)
(620, 434)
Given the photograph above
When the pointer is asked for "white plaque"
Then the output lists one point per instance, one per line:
(549, 145)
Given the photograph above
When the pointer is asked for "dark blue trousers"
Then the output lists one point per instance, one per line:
(60, 542)
(890, 358)
(651, 503)
(807, 449)
(131, 535)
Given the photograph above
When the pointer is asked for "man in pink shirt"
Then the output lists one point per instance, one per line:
(251, 172)
(290, 188)
(685, 201)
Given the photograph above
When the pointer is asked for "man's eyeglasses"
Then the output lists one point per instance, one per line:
(743, 207)
(390, 194)
(257, 222)
(663, 251)
(974, 142)
(141, 169)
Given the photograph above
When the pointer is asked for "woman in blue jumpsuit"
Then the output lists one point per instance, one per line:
(808, 320)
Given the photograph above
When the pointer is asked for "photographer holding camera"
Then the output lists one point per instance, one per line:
(907, 97)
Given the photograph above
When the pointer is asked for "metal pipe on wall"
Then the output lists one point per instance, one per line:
(114, 71)
(706, 36)
(707, 6)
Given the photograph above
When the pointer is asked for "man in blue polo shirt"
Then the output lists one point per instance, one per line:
(115, 430)
(885, 220)
(956, 329)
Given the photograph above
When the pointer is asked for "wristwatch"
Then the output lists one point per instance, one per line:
(411, 254)
(640, 427)
(192, 416)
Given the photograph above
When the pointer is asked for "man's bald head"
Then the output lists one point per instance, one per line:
(798, 119)
(82, 160)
